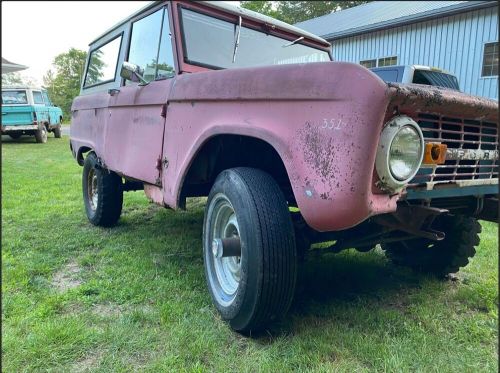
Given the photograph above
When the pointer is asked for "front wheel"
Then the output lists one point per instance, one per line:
(249, 249)
(102, 193)
(57, 132)
(439, 257)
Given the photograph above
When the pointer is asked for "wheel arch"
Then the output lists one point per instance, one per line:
(223, 151)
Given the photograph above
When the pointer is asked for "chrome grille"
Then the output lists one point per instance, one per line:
(459, 134)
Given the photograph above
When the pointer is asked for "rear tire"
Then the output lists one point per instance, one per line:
(439, 257)
(41, 134)
(102, 193)
(257, 287)
(57, 132)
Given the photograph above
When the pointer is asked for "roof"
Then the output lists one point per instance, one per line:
(10, 67)
(378, 15)
(22, 87)
(236, 10)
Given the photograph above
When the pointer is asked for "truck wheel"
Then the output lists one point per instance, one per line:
(439, 257)
(57, 132)
(15, 136)
(251, 282)
(102, 193)
(41, 134)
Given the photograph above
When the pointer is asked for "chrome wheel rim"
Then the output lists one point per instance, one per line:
(224, 273)
(92, 192)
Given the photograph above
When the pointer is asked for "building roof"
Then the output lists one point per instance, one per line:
(378, 15)
(10, 67)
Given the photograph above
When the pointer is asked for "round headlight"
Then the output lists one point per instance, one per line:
(405, 152)
(400, 152)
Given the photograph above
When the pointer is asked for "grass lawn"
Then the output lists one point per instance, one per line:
(133, 298)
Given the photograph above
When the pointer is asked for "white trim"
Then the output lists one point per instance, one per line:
(482, 60)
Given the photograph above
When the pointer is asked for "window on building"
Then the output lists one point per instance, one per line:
(37, 97)
(387, 61)
(102, 64)
(490, 59)
(368, 63)
(146, 51)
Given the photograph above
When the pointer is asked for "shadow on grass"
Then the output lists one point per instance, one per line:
(350, 279)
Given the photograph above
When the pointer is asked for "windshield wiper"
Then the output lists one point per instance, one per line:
(237, 41)
(293, 42)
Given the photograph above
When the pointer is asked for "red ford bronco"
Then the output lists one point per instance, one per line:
(186, 99)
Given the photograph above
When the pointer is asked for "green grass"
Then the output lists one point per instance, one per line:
(77, 298)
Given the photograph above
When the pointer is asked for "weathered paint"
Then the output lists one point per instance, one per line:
(323, 119)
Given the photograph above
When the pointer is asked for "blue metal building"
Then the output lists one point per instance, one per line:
(457, 36)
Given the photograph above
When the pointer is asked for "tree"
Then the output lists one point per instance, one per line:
(18, 79)
(63, 84)
(297, 11)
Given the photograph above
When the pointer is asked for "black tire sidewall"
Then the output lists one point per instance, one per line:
(236, 190)
(89, 164)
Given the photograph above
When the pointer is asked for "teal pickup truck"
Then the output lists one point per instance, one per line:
(29, 111)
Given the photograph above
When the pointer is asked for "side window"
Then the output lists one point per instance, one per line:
(46, 98)
(150, 46)
(490, 60)
(102, 64)
(368, 63)
(37, 97)
(388, 75)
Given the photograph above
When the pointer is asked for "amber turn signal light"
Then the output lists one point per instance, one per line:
(434, 153)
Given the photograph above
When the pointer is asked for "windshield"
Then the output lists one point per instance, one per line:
(210, 42)
(436, 78)
(14, 97)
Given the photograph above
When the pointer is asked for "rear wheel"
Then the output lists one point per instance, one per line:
(102, 193)
(439, 257)
(249, 249)
(41, 134)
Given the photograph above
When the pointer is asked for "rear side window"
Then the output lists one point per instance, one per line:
(14, 97)
(436, 78)
(102, 63)
(388, 75)
(150, 46)
(37, 97)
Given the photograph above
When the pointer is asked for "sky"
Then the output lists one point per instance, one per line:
(34, 32)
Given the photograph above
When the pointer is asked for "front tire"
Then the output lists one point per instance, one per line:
(439, 257)
(102, 193)
(57, 132)
(257, 287)
(41, 134)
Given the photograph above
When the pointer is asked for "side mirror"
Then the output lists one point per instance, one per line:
(132, 72)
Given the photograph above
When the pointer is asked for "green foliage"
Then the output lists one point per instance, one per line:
(133, 298)
(63, 84)
(17, 79)
(298, 11)
(11, 79)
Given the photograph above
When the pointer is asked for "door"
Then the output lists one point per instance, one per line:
(134, 132)
(53, 114)
(42, 111)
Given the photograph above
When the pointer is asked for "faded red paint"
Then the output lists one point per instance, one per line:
(323, 119)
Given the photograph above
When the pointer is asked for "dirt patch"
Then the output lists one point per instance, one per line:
(67, 277)
(107, 309)
(88, 363)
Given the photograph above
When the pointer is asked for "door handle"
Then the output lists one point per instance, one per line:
(113, 91)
